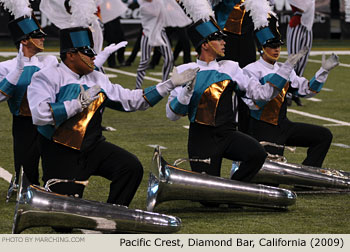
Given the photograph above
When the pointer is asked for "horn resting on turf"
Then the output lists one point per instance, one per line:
(37, 207)
(167, 182)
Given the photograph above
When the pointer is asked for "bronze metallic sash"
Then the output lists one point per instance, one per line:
(206, 110)
(235, 19)
(71, 133)
(272, 109)
(24, 109)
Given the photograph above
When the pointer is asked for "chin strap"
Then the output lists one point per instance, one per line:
(91, 66)
(270, 56)
(36, 45)
(216, 51)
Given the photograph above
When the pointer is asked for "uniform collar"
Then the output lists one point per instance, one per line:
(31, 60)
(266, 64)
(69, 71)
(211, 64)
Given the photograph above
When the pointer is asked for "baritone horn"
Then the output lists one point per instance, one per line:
(167, 182)
(37, 207)
(277, 172)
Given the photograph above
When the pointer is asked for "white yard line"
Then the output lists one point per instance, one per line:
(155, 145)
(318, 117)
(314, 99)
(5, 174)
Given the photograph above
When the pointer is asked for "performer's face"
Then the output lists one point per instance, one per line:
(82, 64)
(271, 55)
(33, 46)
(218, 47)
(38, 43)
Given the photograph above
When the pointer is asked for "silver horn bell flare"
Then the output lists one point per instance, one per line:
(167, 182)
(296, 174)
(37, 207)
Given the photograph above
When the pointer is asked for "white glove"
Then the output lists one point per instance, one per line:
(184, 77)
(184, 97)
(294, 58)
(87, 96)
(20, 62)
(288, 66)
(16, 73)
(108, 50)
(331, 62)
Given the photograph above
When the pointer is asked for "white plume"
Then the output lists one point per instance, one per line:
(215, 2)
(18, 8)
(259, 11)
(83, 12)
(198, 9)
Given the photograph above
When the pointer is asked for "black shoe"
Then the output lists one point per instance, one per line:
(289, 101)
(297, 100)
(124, 64)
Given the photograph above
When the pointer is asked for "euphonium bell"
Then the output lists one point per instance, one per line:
(37, 207)
(295, 174)
(167, 182)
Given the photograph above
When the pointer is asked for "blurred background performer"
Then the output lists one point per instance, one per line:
(59, 13)
(15, 77)
(153, 23)
(299, 35)
(111, 11)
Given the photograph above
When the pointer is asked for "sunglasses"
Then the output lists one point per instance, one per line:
(216, 36)
(86, 50)
(38, 35)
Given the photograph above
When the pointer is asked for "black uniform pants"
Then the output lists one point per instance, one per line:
(25, 148)
(316, 138)
(221, 142)
(122, 168)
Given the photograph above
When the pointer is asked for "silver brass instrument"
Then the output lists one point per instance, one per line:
(37, 207)
(295, 174)
(167, 182)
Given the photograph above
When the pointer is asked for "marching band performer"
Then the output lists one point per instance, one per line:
(15, 76)
(268, 119)
(153, 34)
(67, 102)
(208, 103)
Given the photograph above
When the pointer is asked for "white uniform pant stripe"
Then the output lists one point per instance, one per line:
(297, 38)
(146, 58)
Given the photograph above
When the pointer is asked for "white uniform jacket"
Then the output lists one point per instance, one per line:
(13, 83)
(53, 100)
(211, 81)
(262, 71)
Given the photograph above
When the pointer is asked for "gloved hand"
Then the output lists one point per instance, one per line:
(16, 73)
(331, 62)
(87, 96)
(184, 97)
(294, 58)
(20, 63)
(108, 50)
(184, 77)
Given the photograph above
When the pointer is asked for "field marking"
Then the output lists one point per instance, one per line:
(314, 99)
(130, 74)
(327, 89)
(318, 117)
(112, 75)
(341, 145)
(156, 145)
(5, 175)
